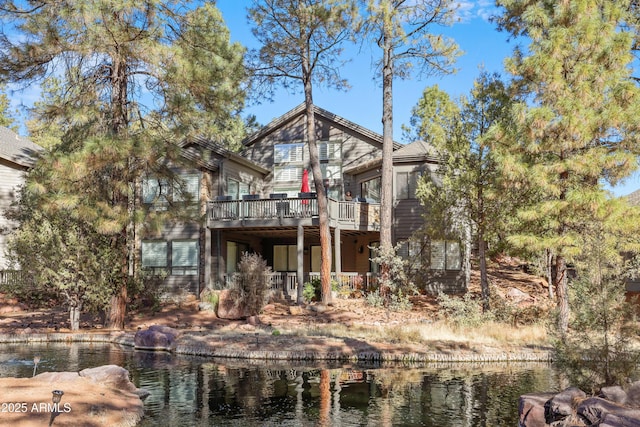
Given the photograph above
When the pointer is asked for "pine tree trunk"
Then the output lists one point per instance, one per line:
(561, 284)
(484, 279)
(118, 309)
(323, 211)
(386, 199)
(74, 315)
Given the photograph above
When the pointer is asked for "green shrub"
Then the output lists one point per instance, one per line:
(395, 287)
(462, 311)
(312, 290)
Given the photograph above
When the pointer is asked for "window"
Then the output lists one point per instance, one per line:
(188, 187)
(184, 257)
(288, 173)
(154, 190)
(371, 189)
(329, 151)
(411, 251)
(285, 257)
(287, 153)
(406, 184)
(236, 189)
(158, 191)
(178, 258)
(154, 254)
(234, 253)
(445, 255)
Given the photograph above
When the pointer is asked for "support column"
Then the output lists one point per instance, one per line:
(207, 259)
(337, 247)
(300, 271)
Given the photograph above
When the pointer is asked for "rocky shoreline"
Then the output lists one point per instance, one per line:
(263, 346)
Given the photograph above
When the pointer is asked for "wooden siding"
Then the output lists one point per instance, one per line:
(12, 176)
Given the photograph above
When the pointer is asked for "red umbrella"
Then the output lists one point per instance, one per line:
(305, 185)
(305, 182)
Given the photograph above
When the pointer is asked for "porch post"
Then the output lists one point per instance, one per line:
(300, 271)
(338, 252)
(207, 259)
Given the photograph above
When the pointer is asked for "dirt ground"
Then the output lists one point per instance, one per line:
(506, 275)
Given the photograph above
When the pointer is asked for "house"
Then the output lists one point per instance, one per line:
(252, 201)
(17, 156)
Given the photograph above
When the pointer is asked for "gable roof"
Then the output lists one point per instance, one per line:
(17, 149)
(324, 115)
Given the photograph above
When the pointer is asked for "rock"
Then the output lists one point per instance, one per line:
(111, 376)
(156, 337)
(614, 394)
(254, 320)
(205, 306)
(594, 409)
(105, 397)
(318, 308)
(633, 395)
(230, 307)
(571, 408)
(295, 310)
(532, 409)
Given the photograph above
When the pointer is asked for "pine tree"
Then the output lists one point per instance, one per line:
(470, 186)
(301, 43)
(401, 29)
(135, 77)
(576, 123)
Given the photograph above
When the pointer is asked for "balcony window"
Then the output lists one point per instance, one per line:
(236, 189)
(371, 189)
(288, 173)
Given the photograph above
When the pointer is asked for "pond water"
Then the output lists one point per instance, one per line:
(194, 391)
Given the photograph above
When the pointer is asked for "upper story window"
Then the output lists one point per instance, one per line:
(288, 153)
(406, 184)
(329, 151)
(160, 191)
(236, 189)
(371, 189)
(288, 173)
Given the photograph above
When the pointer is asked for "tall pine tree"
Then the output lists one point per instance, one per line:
(134, 77)
(576, 124)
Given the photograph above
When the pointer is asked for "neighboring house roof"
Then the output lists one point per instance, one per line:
(17, 149)
(214, 163)
(320, 113)
(634, 198)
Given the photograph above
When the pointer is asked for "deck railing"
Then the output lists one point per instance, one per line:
(287, 281)
(352, 213)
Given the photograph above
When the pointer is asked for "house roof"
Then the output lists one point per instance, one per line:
(323, 114)
(17, 149)
(417, 151)
(634, 198)
(214, 164)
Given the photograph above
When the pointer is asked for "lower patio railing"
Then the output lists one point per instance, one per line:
(287, 281)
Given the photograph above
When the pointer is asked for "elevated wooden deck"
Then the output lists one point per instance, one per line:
(291, 212)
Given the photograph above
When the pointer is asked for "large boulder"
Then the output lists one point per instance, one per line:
(532, 409)
(101, 396)
(614, 407)
(156, 337)
(230, 307)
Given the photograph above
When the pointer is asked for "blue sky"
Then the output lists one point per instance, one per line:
(483, 47)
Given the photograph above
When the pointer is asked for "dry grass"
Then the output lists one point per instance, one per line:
(490, 333)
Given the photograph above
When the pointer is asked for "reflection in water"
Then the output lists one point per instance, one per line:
(189, 391)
